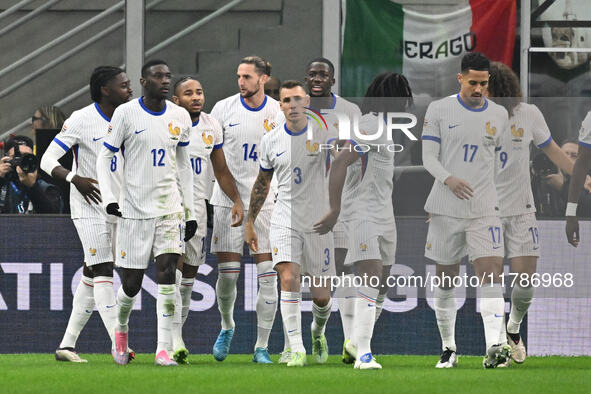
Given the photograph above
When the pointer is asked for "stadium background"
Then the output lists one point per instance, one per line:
(34, 307)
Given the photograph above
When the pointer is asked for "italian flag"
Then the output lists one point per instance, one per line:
(381, 35)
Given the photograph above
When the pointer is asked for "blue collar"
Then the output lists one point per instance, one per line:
(196, 122)
(141, 100)
(295, 133)
(98, 109)
(485, 106)
(254, 109)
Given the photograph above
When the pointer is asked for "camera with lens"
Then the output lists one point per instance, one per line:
(542, 165)
(28, 162)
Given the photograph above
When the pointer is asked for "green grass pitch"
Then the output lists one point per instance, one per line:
(40, 373)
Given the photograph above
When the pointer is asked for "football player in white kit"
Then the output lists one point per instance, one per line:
(205, 149)
(460, 136)
(245, 117)
(299, 156)
(153, 134)
(83, 132)
(361, 181)
(516, 201)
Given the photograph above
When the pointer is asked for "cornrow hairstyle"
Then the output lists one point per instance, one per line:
(99, 78)
(387, 84)
(180, 81)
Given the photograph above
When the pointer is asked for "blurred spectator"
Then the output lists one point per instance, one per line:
(47, 117)
(21, 190)
(272, 87)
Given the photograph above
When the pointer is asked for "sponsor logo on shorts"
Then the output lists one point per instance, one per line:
(92, 251)
(428, 245)
(215, 239)
(275, 250)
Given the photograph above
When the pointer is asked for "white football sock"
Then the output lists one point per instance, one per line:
(347, 306)
(266, 302)
(521, 299)
(290, 313)
(445, 313)
(321, 315)
(186, 292)
(82, 307)
(177, 324)
(124, 307)
(379, 305)
(492, 310)
(165, 306)
(285, 337)
(365, 317)
(104, 297)
(225, 290)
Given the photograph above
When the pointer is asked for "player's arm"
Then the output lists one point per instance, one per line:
(558, 157)
(336, 181)
(582, 166)
(258, 195)
(185, 176)
(50, 164)
(460, 188)
(226, 181)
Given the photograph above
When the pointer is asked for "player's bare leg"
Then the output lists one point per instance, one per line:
(445, 313)
(521, 299)
(492, 310)
(289, 275)
(266, 306)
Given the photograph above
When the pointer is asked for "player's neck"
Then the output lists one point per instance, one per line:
(154, 104)
(321, 102)
(195, 117)
(107, 109)
(470, 103)
(296, 125)
(255, 100)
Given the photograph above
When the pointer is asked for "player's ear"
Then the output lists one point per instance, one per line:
(332, 82)
(143, 82)
(264, 78)
(105, 91)
(307, 101)
(175, 99)
(460, 77)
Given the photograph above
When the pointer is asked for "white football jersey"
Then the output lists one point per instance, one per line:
(243, 127)
(367, 193)
(513, 178)
(467, 139)
(84, 132)
(585, 132)
(301, 167)
(206, 136)
(148, 141)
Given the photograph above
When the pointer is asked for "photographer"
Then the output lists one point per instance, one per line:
(21, 190)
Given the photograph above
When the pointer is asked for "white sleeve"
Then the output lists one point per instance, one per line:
(50, 158)
(431, 146)
(540, 131)
(585, 132)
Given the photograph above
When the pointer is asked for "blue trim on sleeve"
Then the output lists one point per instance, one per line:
(254, 109)
(295, 133)
(586, 145)
(184, 143)
(265, 169)
(61, 144)
(545, 143)
(111, 147)
(431, 138)
(98, 109)
(218, 146)
(485, 106)
(141, 101)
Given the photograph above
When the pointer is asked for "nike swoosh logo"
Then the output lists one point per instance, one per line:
(110, 306)
(498, 315)
(324, 269)
(290, 331)
(139, 131)
(87, 311)
(96, 139)
(233, 124)
(536, 248)
(165, 315)
(269, 303)
(279, 154)
(453, 126)
(496, 247)
(347, 297)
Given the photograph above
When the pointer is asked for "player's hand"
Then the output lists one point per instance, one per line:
(250, 236)
(5, 166)
(459, 187)
(327, 222)
(190, 229)
(237, 214)
(572, 230)
(113, 209)
(86, 187)
(26, 178)
(587, 184)
(555, 181)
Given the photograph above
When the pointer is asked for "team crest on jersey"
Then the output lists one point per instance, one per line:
(275, 250)
(269, 125)
(363, 247)
(312, 148)
(517, 133)
(492, 131)
(207, 137)
(92, 251)
(123, 254)
(174, 131)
